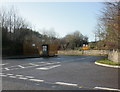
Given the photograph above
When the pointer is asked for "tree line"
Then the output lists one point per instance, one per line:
(73, 41)
(108, 28)
(16, 31)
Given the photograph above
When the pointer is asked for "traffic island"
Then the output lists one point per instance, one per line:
(107, 63)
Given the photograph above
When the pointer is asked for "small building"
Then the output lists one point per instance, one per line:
(38, 49)
(49, 49)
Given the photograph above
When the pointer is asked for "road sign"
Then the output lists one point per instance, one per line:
(85, 47)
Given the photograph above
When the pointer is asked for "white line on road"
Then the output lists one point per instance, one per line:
(68, 84)
(4, 64)
(103, 88)
(19, 75)
(33, 64)
(23, 78)
(9, 74)
(48, 67)
(41, 62)
(29, 76)
(12, 76)
(7, 69)
(36, 80)
(21, 66)
(3, 75)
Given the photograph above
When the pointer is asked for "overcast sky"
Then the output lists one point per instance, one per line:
(63, 17)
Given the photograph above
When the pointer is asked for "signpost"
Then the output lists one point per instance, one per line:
(85, 47)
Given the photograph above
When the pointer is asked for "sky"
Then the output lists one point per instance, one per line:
(63, 17)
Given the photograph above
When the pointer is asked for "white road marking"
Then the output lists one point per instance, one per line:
(4, 64)
(9, 74)
(103, 88)
(68, 84)
(19, 75)
(40, 62)
(48, 67)
(12, 76)
(36, 80)
(29, 76)
(7, 69)
(21, 66)
(23, 78)
(3, 75)
(49, 63)
(33, 64)
(44, 63)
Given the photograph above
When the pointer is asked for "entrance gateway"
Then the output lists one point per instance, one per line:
(49, 50)
(45, 50)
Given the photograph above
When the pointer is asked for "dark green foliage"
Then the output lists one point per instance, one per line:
(12, 43)
(73, 41)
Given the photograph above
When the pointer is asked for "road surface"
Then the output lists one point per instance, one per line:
(64, 72)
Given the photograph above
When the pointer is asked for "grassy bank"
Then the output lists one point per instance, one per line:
(106, 61)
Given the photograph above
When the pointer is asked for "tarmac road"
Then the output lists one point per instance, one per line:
(64, 72)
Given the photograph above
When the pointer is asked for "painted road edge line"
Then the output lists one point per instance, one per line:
(36, 80)
(107, 65)
(67, 84)
(103, 88)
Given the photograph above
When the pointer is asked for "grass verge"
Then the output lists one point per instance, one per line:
(106, 61)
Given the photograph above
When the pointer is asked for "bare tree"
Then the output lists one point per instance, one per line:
(108, 28)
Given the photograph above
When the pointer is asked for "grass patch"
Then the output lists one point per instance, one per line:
(106, 61)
